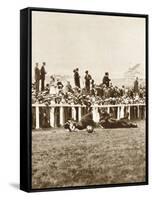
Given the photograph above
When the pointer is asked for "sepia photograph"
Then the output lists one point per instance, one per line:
(88, 96)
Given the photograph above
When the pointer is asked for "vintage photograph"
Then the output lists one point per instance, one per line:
(88, 99)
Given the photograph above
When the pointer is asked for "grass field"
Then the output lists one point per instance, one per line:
(108, 156)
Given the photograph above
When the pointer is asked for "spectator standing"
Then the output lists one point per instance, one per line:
(76, 77)
(43, 72)
(37, 77)
(136, 88)
(106, 79)
(87, 81)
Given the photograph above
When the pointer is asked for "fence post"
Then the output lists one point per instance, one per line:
(129, 112)
(37, 117)
(61, 116)
(141, 113)
(122, 111)
(108, 109)
(52, 117)
(138, 112)
(95, 114)
(79, 113)
(74, 113)
(118, 112)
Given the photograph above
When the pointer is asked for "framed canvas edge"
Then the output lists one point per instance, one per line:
(24, 103)
(28, 76)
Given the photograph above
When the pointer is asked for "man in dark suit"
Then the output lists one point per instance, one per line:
(87, 81)
(37, 77)
(106, 79)
(43, 72)
(76, 77)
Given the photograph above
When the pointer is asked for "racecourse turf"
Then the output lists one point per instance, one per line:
(107, 156)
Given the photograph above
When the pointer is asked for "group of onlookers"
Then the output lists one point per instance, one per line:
(105, 93)
(89, 81)
(40, 76)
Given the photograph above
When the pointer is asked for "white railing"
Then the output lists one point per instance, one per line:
(76, 111)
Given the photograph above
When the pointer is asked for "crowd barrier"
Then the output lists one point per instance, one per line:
(56, 115)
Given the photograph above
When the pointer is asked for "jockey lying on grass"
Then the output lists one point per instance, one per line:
(86, 121)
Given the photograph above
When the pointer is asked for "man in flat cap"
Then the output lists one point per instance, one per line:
(43, 72)
(37, 76)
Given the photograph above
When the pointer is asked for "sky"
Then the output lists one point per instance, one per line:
(97, 43)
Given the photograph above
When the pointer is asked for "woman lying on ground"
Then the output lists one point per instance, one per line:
(85, 123)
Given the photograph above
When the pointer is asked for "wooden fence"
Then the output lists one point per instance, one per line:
(57, 114)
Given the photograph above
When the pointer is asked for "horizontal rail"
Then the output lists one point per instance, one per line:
(56, 114)
(95, 105)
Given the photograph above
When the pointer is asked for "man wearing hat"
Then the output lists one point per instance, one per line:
(76, 77)
(106, 79)
(87, 81)
(43, 72)
(37, 77)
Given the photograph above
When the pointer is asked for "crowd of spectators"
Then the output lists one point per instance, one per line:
(57, 92)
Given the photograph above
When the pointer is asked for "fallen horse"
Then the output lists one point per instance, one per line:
(106, 121)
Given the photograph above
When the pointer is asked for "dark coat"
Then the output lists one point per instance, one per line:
(87, 78)
(43, 72)
(77, 79)
(87, 81)
(106, 80)
(37, 74)
(136, 89)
